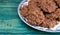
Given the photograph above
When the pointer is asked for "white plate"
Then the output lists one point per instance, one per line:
(24, 3)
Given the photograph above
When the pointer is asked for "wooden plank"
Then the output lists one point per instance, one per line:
(9, 4)
(8, 11)
(15, 1)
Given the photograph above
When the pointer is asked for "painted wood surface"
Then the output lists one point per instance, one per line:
(10, 23)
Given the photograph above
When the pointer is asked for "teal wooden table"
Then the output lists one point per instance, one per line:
(10, 23)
